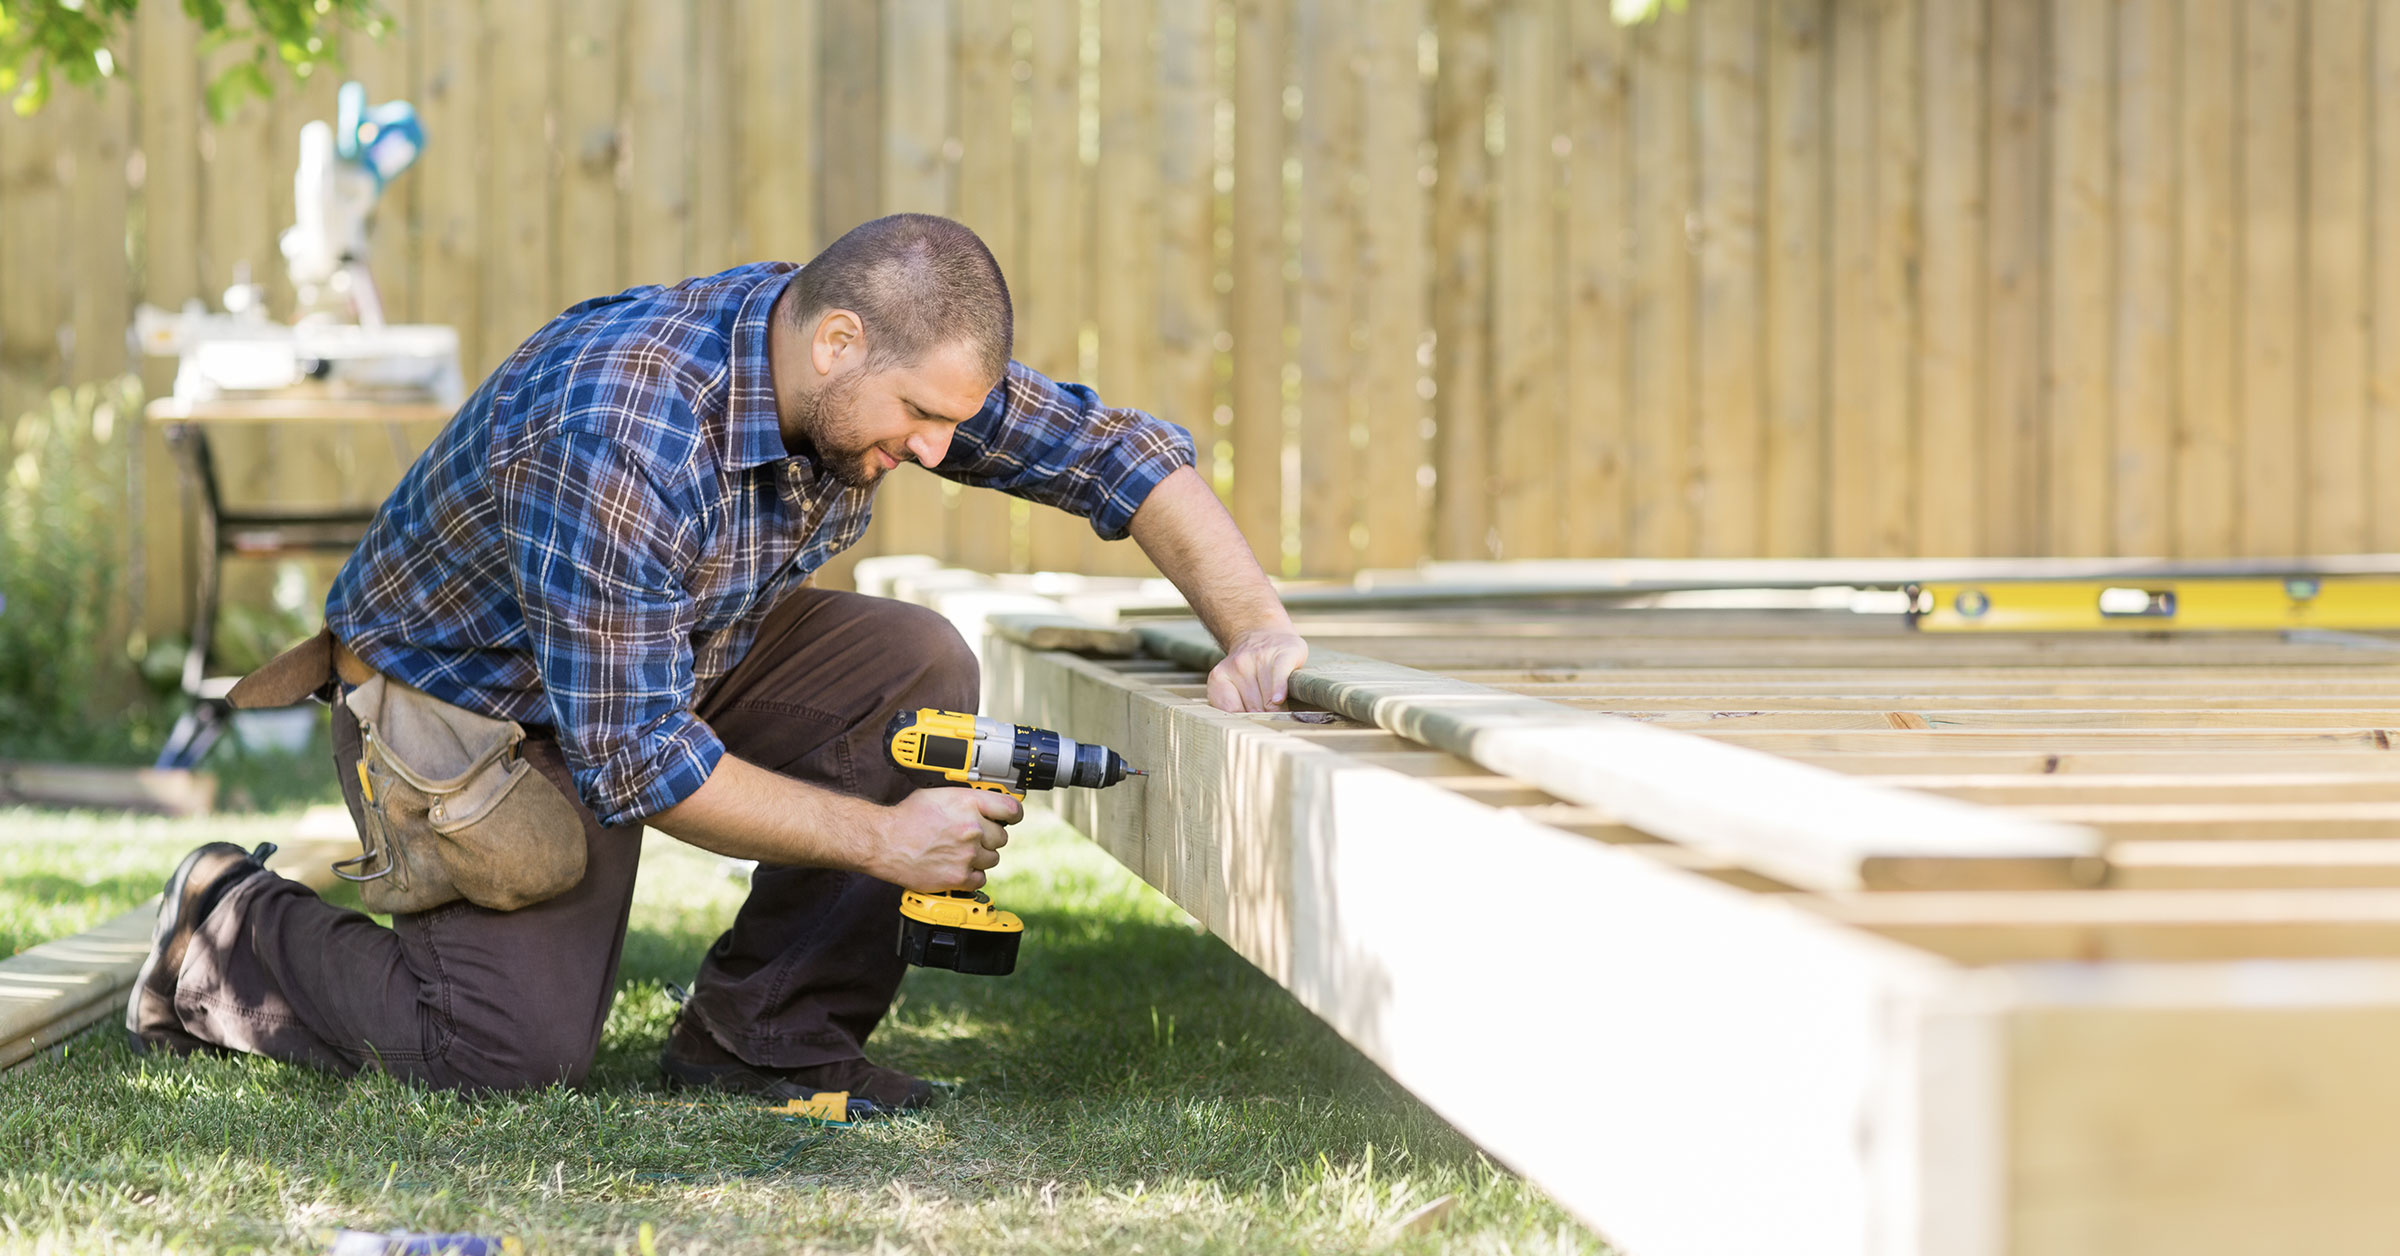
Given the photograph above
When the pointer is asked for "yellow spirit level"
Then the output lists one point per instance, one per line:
(2228, 604)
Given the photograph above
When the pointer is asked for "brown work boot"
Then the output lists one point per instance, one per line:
(693, 1058)
(198, 884)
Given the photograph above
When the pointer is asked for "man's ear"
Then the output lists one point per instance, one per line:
(839, 335)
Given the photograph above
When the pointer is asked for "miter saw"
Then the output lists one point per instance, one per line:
(337, 346)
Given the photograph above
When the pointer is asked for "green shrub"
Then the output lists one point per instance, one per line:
(71, 684)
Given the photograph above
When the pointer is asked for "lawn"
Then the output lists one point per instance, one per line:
(1134, 1087)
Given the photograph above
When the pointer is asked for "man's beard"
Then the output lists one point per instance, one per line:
(829, 420)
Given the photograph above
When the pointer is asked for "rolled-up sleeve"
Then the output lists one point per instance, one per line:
(1056, 444)
(595, 548)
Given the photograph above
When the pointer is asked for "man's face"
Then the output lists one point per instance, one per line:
(865, 422)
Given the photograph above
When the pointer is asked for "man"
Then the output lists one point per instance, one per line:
(610, 544)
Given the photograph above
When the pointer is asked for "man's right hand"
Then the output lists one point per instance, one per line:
(943, 839)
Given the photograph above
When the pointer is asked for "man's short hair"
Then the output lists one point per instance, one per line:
(917, 282)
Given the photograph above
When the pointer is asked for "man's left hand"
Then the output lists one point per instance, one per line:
(1256, 673)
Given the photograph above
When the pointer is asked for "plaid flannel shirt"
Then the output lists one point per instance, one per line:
(596, 535)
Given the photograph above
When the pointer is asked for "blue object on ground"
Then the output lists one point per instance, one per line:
(402, 1243)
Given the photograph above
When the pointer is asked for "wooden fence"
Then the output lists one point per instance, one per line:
(1455, 278)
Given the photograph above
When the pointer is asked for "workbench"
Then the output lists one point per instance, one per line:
(220, 529)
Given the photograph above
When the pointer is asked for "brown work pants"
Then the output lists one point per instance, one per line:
(469, 998)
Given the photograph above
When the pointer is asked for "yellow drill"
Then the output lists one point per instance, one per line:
(960, 929)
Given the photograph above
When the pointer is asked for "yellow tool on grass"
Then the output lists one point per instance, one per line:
(960, 929)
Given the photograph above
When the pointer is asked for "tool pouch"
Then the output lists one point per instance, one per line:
(450, 811)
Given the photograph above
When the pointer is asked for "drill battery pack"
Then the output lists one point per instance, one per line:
(959, 930)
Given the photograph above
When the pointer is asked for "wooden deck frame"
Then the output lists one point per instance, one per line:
(1744, 1067)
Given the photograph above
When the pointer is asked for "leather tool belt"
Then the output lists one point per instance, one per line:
(446, 808)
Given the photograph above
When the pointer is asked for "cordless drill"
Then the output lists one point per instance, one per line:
(960, 929)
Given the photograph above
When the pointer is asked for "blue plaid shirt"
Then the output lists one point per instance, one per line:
(596, 536)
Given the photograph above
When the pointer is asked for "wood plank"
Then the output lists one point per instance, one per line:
(1127, 302)
(989, 199)
(2335, 374)
(450, 101)
(1940, 719)
(2271, 278)
(2206, 438)
(586, 249)
(715, 79)
(248, 170)
(1327, 297)
(1256, 310)
(2383, 386)
(1394, 290)
(1949, 504)
(1793, 476)
(1288, 837)
(850, 122)
(166, 63)
(1853, 238)
(1990, 927)
(520, 188)
(2155, 787)
(2229, 822)
(1462, 241)
(1799, 825)
(1598, 217)
(2082, 267)
(2014, 499)
(1729, 400)
(2298, 863)
(52, 991)
(1662, 328)
(100, 134)
(1050, 303)
(2138, 762)
(658, 120)
(1899, 255)
(2145, 323)
(911, 507)
(2058, 742)
(173, 792)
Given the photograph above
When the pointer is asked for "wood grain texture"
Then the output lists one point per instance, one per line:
(2144, 323)
(2383, 385)
(1130, 281)
(2207, 440)
(1729, 399)
(1256, 312)
(521, 174)
(1331, 215)
(2271, 278)
(1598, 227)
(1950, 511)
(911, 508)
(1462, 243)
(2016, 293)
(1661, 348)
(990, 199)
(2334, 520)
(1792, 485)
(1058, 259)
(1393, 291)
(2082, 210)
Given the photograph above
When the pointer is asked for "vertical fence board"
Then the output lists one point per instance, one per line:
(987, 199)
(1462, 296)
(658, 137)
(774, 122)
(1256, 311)
(2335, 377)
(715, 140)
(1792, 482)
(1661, 331)
(1899, 161)
(1392, 290)
(1949, 500)
(909, 507)
(2271, 278)
(1731, 337)
(1052, 317)
(2015, 292)
(2206, 362)
(585, 244)
(100, 135)
(1851, 478)
(521, 180)
(246, 160)
(1188, 315)
(1528, 431)
(1594, 253)
(1329, 151)
(2081, 200)
(33, 262)
(165, 73)
(1128, 295)
(2383, 414)
(449, 98)
(2142, 393)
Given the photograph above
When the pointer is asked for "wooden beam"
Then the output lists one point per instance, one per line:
(1992, 927)
(1801, 825)
(53, 991)
(2054, 741)
(169, 791)
(2155, 787)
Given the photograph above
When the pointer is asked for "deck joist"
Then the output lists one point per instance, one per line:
(1793, 931)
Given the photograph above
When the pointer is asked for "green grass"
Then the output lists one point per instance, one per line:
(1134, 1087)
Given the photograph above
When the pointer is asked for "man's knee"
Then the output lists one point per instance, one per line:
(944, 672)
(522, 1058)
